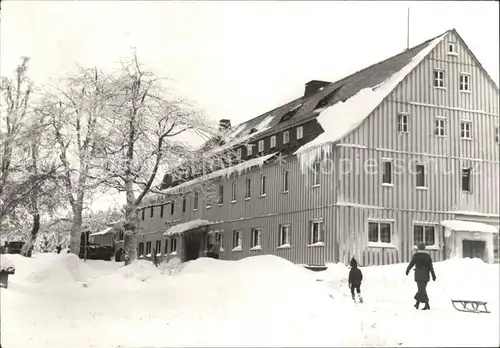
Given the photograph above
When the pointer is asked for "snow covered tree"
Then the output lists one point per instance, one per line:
(150, 133)
(27, 170)
(76, 110)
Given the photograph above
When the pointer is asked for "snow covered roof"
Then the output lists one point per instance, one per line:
(354, 98)
(226, 172)
(103, 232)
(469, 226)
(186, 226)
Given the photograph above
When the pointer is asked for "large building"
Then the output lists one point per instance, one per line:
(404, 151)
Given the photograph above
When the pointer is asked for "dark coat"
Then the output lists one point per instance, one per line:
(355, 275)
(423, 266)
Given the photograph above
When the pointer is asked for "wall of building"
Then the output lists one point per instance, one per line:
(347, 201)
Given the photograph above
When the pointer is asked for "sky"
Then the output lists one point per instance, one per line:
(234, 59)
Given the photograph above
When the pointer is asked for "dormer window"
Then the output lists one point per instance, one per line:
(249, 150)
(286, 137)
(261, 145)
(253, 130)
(300, 132)
(272, 142)
(238, 153)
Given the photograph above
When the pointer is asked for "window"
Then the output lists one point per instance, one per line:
(196, 201)
(273, 141)
(172, 207)
(221, 194)
(420, 173)
(208, 202)
(161, 210)
(316, 234)
(148, 248)
(152, 211)
(184, 204)
(237, 242)
(440, 127)
(248, 186)
(464, 82)
(285, 180)
(238, 153)
(284, 235)
(316, 173)
(173, 245)
(158, 247)
(166, 247)
(141, 249)
(233, 191)
(262, 185)
(387, 174)
(249, 150)
(256, 238)
(300, 132)
(439, 78)
(143, 213)
(451, 47)
(286, 137)
(466, 130)
(403, 123)
(379, 232)
(466, 187)
(261, 145)
(424, 234)
(497, 135)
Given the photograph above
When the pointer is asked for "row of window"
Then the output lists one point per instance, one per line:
(440, 127)
(387, 179)
(421, 182)
(381, 232)
(149, 252)
(464, 81)
(378, 233)
(299, 134)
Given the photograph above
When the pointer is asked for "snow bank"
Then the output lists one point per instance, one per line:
(64, 268)
(5, 263)
(342, 118)
(257, 301)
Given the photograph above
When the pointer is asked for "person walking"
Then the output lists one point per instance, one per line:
(423, 266)
(354, 280)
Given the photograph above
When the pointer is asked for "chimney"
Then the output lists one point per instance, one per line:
(313, 86)
(224, 125)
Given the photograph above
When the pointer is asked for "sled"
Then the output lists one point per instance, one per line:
(471, 306)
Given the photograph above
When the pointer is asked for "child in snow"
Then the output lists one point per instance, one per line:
(355, 278)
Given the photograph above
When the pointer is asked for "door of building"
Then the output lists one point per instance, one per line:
(473, 249)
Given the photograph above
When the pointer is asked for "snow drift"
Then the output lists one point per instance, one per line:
(257, 301)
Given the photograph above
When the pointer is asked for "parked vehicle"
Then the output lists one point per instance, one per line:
(97, 252)
(13, 247)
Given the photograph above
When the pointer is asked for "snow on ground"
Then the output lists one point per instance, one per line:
(60, 301)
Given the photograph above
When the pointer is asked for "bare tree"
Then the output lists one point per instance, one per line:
(76, 110)
(149, 135)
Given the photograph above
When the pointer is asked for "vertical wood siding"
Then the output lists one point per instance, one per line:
(360, 194)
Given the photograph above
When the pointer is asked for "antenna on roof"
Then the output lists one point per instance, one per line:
(408, 31)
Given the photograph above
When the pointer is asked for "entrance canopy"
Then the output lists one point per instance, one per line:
(469, 226)
(186, 226)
